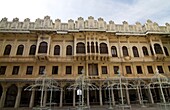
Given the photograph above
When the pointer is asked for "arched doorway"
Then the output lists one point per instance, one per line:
(94, 96)
(68, 96)
(11, 96)
(25, 97)
(1, 90)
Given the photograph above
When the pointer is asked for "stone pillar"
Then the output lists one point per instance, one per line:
(100, 96)
(61, 97)
(88, 97)
(18, 98)
(32, 98)
(74, 97)
(139, 97)
(45, 98)
(150, 95)
(113, 98)
(2, 101)
(127, 95)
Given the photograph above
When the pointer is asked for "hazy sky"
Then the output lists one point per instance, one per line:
(116, 10)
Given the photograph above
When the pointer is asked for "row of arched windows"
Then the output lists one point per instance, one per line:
(80, 49)
(42, 49)
(158, 50)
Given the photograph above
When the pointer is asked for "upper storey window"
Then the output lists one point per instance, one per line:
(125, 51)
(135, 51)
(32, 50)
(57, 50)
(145, 51)
(80, 48)
(158, 49)
(20, 50)
(69, 50)
(114, 51)
(7, 50)
(103, 48)
(92, 47)
(43, 47)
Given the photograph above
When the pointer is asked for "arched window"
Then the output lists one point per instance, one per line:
(43, 47)
(125, 51)
(135, 51)
(7, 50)
(20, 50)
(145, 51)
(80, 48)
(57, 50)
(92, 47)
(166, 51)
(97, 50)
(103, 48)
(114, 51)
(32, 50)
(69, 50)
(88, 47)
(158, 49)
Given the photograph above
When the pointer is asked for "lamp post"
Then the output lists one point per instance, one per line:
(120, 81)
(110, 100)
(160, 85)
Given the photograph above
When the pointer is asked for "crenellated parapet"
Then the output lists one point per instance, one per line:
(80, 24)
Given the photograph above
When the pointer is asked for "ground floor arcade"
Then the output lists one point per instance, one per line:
(13, 94)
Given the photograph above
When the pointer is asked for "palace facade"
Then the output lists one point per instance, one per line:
(103, 50)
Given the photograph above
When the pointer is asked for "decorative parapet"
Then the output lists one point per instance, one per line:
(80, 24)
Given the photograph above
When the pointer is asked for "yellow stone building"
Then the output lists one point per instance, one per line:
(104, 50)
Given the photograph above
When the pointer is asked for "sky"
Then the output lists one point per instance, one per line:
(115, 10)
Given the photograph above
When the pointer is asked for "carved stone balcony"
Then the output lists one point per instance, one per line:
(42, 57)
(127, 58)
(159, 57)
(92, 57)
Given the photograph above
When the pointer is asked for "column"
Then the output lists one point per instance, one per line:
(100, 96)
(45, 98)
(74, 97)
(2, 101)
(139, 97)
(113, 98)
(32, 98)
(18, 98)
(61, 97)
(150, 94)
(88, 97)
(127, 95)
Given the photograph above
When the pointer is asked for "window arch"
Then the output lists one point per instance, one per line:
(103, 48)
(69, 50)
(80, 47)
(92, 47)
(20, 50)
(7, 50)
(135, 51)
(88, 47)
(158, 49)
(114, 51)
(166, 51)
(32, 50)
(57, 50)
(43, 47)
(125, 51)
(145, 51)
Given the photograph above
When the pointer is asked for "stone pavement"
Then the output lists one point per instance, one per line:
(133, 107)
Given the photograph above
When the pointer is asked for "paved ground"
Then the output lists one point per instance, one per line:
(133, 107)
